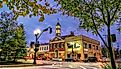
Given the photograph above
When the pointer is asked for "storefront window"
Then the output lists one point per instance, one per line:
(78, 56)
(85, 55)
(68, 56)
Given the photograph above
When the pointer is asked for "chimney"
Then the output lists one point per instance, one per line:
(72, 33)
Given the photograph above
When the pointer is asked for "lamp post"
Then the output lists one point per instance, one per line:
(72, 52)
(37, 34)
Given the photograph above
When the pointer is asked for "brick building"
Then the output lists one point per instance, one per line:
(69, 46)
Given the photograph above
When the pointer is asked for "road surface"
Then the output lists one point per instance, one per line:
(61, 65)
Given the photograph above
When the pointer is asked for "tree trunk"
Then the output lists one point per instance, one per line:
(15, 57)
(110, 50)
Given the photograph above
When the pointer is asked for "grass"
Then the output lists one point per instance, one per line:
(11, 63)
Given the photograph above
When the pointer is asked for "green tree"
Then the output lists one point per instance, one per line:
(95, 15)
(20, 42)
(12, 37)
(7, 31)
(28, 7)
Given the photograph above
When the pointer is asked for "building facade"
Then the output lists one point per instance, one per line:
(72, 46)
(30, 50)
(43, 50)
(57, 44)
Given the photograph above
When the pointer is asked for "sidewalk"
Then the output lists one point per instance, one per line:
(25, 64)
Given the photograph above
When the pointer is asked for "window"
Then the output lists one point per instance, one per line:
(44, 48)
(59, 54)
(55, 45)
(76, 45)
(78, 56)
(69, 46)
(60, 45)
(85, 55)
(95, 54)
(50, 46)
(85, 45)
(90, 46)
(96, 47)
(47, 47)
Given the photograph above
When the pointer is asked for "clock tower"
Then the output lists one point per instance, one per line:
(58, 29)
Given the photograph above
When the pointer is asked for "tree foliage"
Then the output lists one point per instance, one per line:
(94, 15)
(29, 7)
(93, 10)
(20, 42)
(12, 37)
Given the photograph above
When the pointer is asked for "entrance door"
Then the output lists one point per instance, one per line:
(68, 55)
(56, 52)
(78, 56)
(85, 55)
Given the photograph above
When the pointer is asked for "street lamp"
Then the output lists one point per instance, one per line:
(37, 34)
(72, 52)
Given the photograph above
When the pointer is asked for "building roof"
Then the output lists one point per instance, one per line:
(65, 36)
(71, 34)
(44, 44)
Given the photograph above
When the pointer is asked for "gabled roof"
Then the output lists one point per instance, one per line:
(57, 38)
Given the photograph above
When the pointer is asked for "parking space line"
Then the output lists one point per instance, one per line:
(83, 67)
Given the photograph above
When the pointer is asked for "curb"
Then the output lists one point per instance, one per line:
(22, 65)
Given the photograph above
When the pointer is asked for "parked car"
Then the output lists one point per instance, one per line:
(69, 59)
(44, 58)
(56, 59)
(85, 60)
(105, 59)
(92, 59)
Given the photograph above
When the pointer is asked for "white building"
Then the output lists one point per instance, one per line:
(43, 50)
(44, 47)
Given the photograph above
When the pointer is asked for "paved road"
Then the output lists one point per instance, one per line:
(62, 65)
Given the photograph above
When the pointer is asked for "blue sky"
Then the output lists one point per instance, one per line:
(67, 23)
